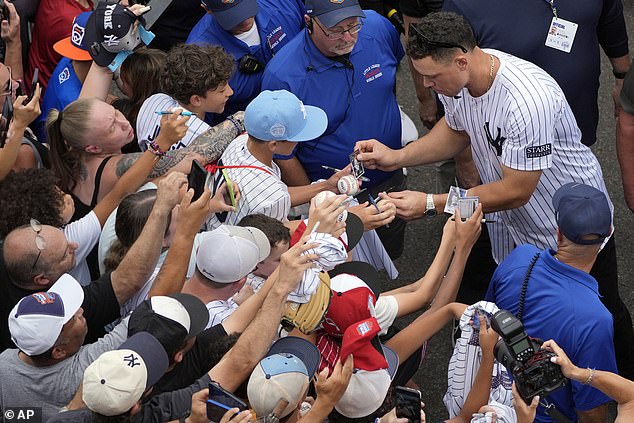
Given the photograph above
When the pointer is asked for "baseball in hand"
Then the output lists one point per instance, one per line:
(348, 185)
(319, 198)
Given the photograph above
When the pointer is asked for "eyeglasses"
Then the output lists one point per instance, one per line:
(442, 44)
(39, 241)
(337, 35)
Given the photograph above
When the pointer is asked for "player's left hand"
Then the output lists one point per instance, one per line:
(410, 205)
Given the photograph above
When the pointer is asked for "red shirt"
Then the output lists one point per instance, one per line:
(53, 21)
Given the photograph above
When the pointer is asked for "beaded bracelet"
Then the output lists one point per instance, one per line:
(589, 379)
(239, 126)
(155, 149)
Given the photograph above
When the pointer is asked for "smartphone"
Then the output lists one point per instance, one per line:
(34, 81)
(232, 196)
(197, 179)
(408, 404)
(220, 401)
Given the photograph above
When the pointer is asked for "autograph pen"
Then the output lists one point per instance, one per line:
(167, 112)
(373, 202)
(334, 169)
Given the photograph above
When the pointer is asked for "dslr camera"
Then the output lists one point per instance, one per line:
(530, 365)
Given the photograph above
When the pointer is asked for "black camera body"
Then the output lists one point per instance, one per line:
(530, 365)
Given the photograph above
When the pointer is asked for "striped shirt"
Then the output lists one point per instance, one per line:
(219, 310)
(525, 123)
(261, 190)
(148, 123)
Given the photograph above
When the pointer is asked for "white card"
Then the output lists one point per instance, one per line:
(561, 34)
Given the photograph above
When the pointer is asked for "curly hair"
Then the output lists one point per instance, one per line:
(445, 28)
(192, 69)
(32, 193)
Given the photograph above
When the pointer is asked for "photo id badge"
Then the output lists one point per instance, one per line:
(561, 34)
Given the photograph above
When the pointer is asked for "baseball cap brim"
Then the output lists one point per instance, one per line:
(232, 17)
(300, 348)
(252, 234)
(316, 124)
(332, 18)
(364, 271)
(67, 49)
(354, 230)
(198, 314)
(71, 292)
(152, 353)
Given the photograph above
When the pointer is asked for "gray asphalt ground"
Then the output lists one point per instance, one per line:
(422, 237)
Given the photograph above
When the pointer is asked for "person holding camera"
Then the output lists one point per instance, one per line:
(252, 32)
(558, 299)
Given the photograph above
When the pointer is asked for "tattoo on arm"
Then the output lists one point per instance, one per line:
(209, 144)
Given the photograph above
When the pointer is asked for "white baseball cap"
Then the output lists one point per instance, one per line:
(229, 253)
(117, 379)
(37, 320)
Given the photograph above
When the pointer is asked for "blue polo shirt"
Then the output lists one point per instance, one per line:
(562, 303)
(359, 100)
(277, 22)
(63, 88)
(519, 27)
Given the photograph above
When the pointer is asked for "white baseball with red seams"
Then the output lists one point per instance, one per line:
(348, 185)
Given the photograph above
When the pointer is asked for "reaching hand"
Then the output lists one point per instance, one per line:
(327, 214)
(334, 179)
(488, 337)
(221, 201)
(468, 232)
(168, 194)
(24, 114)
(10, 28)
(331, 388)
(173, 129)
(525, 413)
(375, 155)
(293, 263)
(391, 418)
(193, 214)
(371, 218)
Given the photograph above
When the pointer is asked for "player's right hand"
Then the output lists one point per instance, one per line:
(375, 155)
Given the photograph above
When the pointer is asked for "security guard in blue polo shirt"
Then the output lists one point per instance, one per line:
(252, 31)
(345, 63)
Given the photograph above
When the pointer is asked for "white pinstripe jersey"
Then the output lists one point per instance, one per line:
(525, 123)
(148, 122)
(260, 191)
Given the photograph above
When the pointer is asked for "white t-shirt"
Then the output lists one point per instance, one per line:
(261, 190)
(85, 232)
(251, 37)
(525, 123)
(148, 122)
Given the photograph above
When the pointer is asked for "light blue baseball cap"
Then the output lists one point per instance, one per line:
(281, 116)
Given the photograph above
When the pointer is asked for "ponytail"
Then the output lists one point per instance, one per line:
(66, 130)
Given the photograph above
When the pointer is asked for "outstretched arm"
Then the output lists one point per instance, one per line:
(206, 148)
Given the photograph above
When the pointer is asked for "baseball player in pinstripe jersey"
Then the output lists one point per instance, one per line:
(524, 139)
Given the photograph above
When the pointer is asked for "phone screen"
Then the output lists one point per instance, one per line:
(220, 401)
(196, 179)
(408, 404)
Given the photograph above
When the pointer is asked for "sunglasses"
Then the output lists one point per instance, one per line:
(337, 35)
(433, 43)
(39, 241)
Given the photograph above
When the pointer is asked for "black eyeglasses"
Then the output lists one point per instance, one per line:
(442, 44)
(337, 35)
(39, 241)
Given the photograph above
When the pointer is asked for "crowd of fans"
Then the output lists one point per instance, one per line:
(198, 206)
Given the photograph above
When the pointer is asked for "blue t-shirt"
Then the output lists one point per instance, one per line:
(63, 88)
(358, 96)
(562, 303)
(520, 27)
(277, 23)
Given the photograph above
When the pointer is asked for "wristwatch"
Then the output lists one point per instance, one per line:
(430, 209)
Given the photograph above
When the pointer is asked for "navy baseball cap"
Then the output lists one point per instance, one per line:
(229, 13)
(331, 12)
(281, 116)
(582, 211)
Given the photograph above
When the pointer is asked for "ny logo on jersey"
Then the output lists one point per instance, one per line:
(497, 142)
